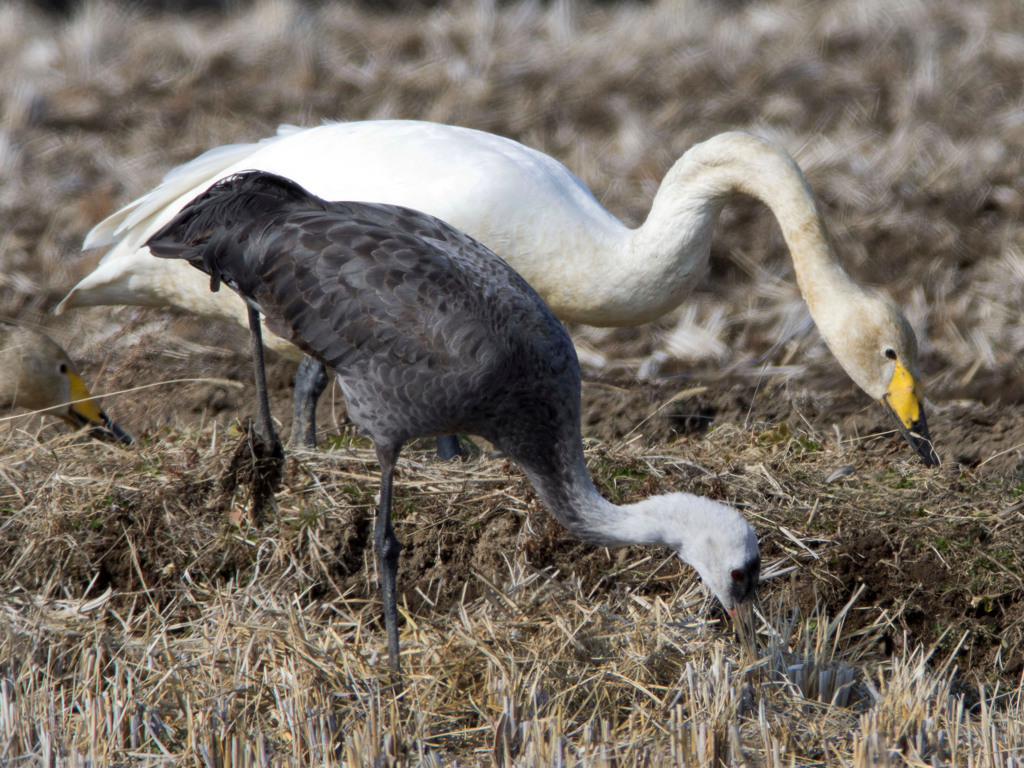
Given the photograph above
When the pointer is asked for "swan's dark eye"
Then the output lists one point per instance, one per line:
(891, 354)
(737, 575)
(63, 368)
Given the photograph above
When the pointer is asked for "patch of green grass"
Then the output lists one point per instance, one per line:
(151, 464)
(806, 444)
(1007, 557)
(776, 435)
(618, 480)
(628, 472)
(348, 439)
(309, 515)
(782, 435)
(903, 481)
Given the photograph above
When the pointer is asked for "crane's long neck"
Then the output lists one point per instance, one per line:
(684, 212)
(563, 483)
(712, 537)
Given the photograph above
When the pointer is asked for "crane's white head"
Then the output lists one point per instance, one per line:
(876, 345)
(712, 537)
(722, 547)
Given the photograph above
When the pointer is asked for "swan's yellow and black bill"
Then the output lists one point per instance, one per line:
(903, 398)
(84, 412)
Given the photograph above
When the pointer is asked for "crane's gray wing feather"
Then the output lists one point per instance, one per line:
(374, 295)
(429, 331)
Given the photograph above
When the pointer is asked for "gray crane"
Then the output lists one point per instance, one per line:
(430, 333)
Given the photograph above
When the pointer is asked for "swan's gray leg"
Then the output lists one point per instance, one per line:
(388, 547)
(310, 382)
(448, 447)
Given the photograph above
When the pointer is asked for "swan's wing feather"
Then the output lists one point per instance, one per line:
(174, 184)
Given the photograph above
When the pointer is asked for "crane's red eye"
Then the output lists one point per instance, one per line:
(737, 575)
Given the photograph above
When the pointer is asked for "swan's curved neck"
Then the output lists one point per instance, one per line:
(682, 218)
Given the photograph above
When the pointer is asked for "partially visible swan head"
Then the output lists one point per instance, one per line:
(37, 374)
(876, 345)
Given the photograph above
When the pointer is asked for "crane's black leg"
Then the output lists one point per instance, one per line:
(388, 547)
(310, 382)
(448, 447)
(264, 425)
(266, 457)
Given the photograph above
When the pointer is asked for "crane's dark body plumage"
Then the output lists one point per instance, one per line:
(424, 342)
(429, 333)
(454, 328)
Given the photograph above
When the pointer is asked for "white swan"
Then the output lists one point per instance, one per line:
(531, 210)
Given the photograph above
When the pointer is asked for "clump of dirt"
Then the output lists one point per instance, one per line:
(930, 597)
(257, 463)
(871, 559)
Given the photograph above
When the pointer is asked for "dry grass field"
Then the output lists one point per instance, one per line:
(139, 627)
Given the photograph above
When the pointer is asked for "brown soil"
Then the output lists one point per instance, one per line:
(891, 525)
(920, 199)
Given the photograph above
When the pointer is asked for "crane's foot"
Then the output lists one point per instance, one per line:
(258, 462)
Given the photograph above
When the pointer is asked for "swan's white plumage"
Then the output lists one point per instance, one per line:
(506, 195)
(528, 208)
(177, 182)
(521, 203)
